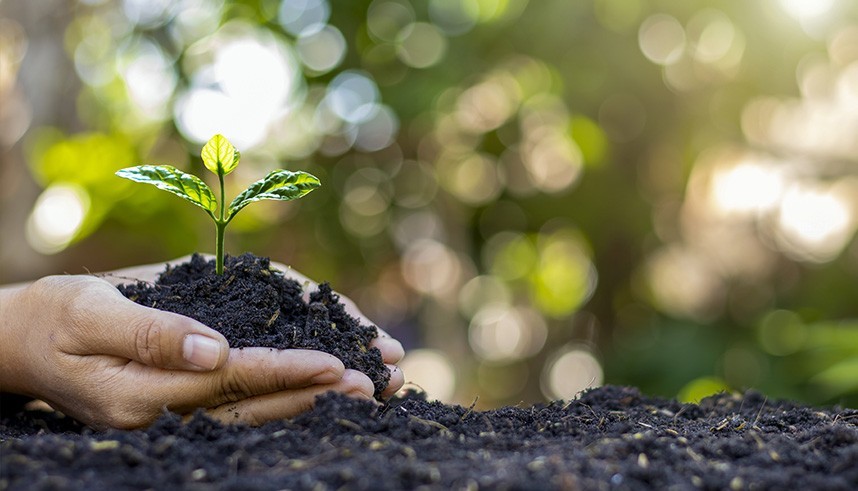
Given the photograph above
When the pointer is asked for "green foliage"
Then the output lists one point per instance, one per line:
(221, 157)
(170, 179)
(277, 185)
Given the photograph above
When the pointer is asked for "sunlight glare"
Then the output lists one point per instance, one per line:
(807, 9)
(746, 188)
(254, 74)
(203, 112)
(247, 88)
(815, 224)
(150, 79)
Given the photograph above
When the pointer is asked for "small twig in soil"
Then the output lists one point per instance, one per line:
(273, 318)
(429, 422)
(349, 424)
(760, 411)
(226, 283)
(840, 416)
(470, 409)
(681, 410)
(590, 409)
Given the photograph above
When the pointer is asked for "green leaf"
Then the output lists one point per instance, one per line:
(219, 156)
(168, 178)
(280, 185)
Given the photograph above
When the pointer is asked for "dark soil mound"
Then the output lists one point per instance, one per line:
(255, 305)
(610, 438)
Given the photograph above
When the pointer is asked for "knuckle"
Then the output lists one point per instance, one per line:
(118, 414)
(358, 384)
(236, 387)
(148, 342)
(333, 369)
(75, 298)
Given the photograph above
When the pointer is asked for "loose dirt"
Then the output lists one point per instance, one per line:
(609, 438)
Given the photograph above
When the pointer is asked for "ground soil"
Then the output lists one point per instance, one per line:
(252, 304)
(609, 438)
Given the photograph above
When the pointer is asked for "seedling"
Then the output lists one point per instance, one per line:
(221, 157)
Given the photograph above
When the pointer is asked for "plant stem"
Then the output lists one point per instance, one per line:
(221, 227)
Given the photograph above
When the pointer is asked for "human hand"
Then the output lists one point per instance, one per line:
(78, 344)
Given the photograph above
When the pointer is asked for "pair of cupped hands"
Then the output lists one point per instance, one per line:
(76, 343)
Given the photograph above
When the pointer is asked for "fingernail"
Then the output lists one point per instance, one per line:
(201, 351)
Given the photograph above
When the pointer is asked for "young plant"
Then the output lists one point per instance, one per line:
(221, 157)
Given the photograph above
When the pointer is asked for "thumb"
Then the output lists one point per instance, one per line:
(114, 325)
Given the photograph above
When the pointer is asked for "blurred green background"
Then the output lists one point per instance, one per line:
(535, 197)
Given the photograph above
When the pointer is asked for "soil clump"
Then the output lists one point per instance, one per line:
(255, 305)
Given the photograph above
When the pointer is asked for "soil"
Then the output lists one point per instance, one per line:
(608, 438)
(253, 304)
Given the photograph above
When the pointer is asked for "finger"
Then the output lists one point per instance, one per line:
(249, 372)
(287, 404)
(103, 322)
(391, 349)
(397, 380)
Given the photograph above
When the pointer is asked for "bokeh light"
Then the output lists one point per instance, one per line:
(815, 224)
(420, 45)
(321, 51)
(748, 188)
(353, 96)
(570, 371)
(149, 77)
(502, 333)
(662, 39)
(782, 332)
(56, 217)
(300, 16)
(431, 371)
(432, 268)
(807, 10)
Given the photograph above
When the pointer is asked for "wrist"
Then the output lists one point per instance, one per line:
(13, 375)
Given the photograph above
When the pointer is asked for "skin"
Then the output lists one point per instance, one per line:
(76, 343)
